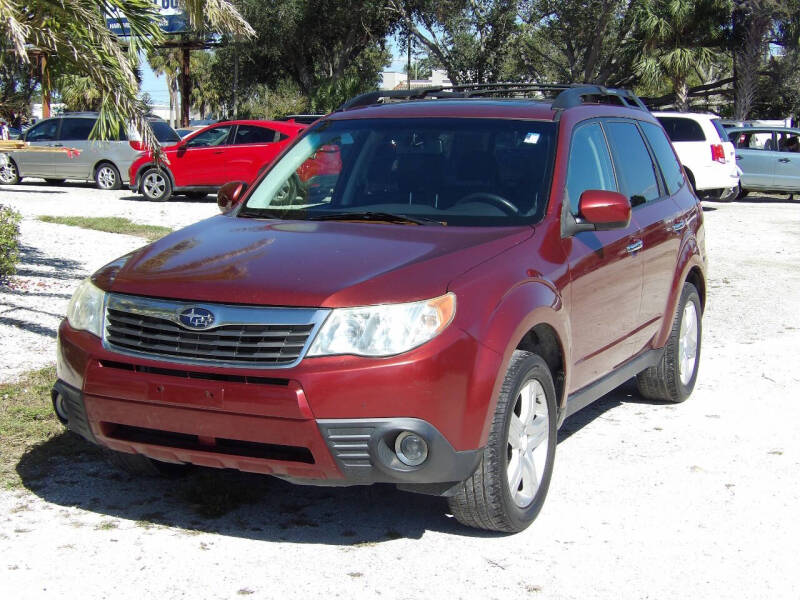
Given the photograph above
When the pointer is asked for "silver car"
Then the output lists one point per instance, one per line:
(104, 162)
(769, 158)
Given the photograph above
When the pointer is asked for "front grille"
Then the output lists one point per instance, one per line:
(243, 336)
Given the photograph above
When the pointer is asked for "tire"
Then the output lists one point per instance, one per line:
(742, 192)
(9, 174)
(673, 378)
(195, 195)
(156, 185)
(106, 176)
(486, 500)
(138, 464)
(55, 181)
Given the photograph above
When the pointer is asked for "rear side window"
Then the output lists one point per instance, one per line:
(682, 130)
(671, 169)
(753, 140)
(590, 166)
(73, 129)
(163, 132)
(634, 165)
(252, 134)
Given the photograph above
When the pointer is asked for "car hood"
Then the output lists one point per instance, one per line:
(305, 263)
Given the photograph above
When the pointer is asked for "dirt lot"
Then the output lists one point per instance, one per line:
(647, 500)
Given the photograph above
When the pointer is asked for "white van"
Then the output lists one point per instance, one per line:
(708, 157)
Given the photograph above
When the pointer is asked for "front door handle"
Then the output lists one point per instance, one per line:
(634, 247)
(784, 160)
(678, 225)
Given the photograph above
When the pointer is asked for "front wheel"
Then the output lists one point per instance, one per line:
(509, 487)
(673, 378)
(156, 185)
(9, 175)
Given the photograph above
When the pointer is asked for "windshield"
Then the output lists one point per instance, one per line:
(474, 172)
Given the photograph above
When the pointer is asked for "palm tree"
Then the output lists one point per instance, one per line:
(676, 37)
(75, 33)
(167, 62)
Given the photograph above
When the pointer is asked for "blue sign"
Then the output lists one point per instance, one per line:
(171, 16)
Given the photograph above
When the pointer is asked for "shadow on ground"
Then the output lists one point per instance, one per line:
(68, 471)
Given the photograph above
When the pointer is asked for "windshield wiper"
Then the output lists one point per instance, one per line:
(376, 216)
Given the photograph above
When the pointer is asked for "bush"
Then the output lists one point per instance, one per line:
(9, 247)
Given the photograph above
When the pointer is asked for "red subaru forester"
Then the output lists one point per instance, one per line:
(425, 309)
(206, 159)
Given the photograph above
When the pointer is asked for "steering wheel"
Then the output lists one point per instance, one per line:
(489, 198)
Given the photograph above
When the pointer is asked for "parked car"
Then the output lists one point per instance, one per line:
(477, 272)
(104, 162)
(705, 152)
(769, 158)
(207, 158)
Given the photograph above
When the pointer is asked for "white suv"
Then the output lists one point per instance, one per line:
(708, 158)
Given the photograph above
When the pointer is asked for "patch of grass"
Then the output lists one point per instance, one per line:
(26, 419)
(106, 525)
(111, 225)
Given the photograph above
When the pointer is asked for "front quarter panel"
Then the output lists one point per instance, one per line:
(498, 303)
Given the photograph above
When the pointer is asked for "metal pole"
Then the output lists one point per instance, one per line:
(408, 66)
(235, 80)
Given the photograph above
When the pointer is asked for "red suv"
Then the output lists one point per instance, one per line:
(212, 156)
(425, 307)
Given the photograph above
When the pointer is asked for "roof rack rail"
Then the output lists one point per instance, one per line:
(569, 95)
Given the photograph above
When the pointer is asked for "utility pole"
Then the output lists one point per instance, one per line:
(408, 66)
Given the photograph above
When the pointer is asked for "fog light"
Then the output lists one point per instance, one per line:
(411, 449)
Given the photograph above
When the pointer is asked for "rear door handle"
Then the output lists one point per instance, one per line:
(678, 225)
(634, 247)
(784, 160)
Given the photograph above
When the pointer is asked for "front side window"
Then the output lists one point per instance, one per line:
(74, 129)
(216, 136)
(43, 132)
(590, 165)
(753, 140)
(634, 165)
(471, 172)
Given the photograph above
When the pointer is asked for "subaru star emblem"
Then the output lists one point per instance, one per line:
(197, 318)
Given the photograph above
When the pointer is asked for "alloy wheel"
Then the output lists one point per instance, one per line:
(527, 443)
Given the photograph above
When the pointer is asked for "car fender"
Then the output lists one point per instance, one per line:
(531, 303)
(146, 166)
(689, 258)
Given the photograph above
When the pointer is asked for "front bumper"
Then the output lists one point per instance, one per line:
(328, 421)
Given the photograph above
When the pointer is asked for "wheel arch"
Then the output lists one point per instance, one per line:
(148, 165)
(530, 317)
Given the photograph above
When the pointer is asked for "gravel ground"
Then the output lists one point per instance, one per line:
(647, 500)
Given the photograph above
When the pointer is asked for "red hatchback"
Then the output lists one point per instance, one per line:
(203, 161)
(417, 292)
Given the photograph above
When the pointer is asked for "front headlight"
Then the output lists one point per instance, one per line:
(85, 310)
(383, 330)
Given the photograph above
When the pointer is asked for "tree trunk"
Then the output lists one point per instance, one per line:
(681, 95)
(186, 85)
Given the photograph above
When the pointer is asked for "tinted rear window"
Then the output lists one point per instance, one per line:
(633, 162)
(682, 130)
(164, 133)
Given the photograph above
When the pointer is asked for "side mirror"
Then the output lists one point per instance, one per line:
(605, 210)
(598, 210)
(230, 195)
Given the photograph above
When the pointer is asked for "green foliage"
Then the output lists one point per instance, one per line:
(9, 240)
(78, 92)
(472, 40)
(778, 91)
(312, 43)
